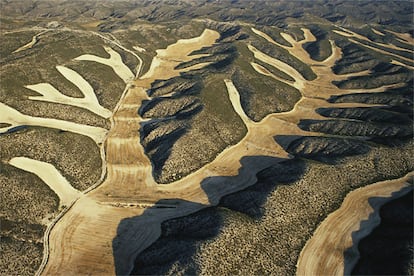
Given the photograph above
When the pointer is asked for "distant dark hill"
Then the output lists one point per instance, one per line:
(276, 13)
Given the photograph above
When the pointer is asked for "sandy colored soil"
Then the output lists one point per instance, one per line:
(14, 118)
(92, 24)
(377, 32)
(297, 49)
(235, 101)
(114, 61)
(406, 40)
(51, 176)
(51, 94)
(90, 102)
(163, 64)
(261, 70)
(94, 232)
(285, 68)
(349, 33)
(381, 51)
(30, 44)
(358, 215)
(129, 173)
(139, 49)
(402, 64)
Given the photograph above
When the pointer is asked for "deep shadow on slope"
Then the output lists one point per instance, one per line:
(184, 239)
(181, 236)
(329, 150)
(286, 218)
(388, 249)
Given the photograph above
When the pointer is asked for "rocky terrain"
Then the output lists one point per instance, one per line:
(230, 129)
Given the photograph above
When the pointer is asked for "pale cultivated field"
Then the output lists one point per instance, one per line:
(92, 231)
(51, 94)
(323, 254)
(14, 118)
(51, 176)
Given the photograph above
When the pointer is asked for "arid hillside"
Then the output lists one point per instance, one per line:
(204, 137)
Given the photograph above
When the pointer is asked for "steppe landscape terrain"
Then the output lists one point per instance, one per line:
(225, 137)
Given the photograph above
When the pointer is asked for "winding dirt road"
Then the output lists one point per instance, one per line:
(31, 43)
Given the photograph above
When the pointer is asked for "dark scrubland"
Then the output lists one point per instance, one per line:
(326, 149)
(356, 128)
(383, 74)
(388, 249)
(284, 56)
(15, 41)
(259, 230)
(260, 97)
(38, 64)
(262, 229)
(155, 36)
(19, 257)
(400, 98)
(207, 115)
(65, 150)
(320, 49)
(120, 15)
(27, 204)
(354, 59)
(196, 108)
(371, 114)
(198, 111)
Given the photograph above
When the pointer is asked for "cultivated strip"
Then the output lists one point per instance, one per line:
(323, 254)
(49, 175)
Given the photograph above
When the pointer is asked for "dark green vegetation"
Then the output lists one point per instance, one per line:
(63, 149)
(261, 95)
(37, 65)
(206, 114)
(321, 48)
(388, 248)
(22, 257)
(27, 204)
(259, 230)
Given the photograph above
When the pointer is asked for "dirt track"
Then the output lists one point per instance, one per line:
(30, 44)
